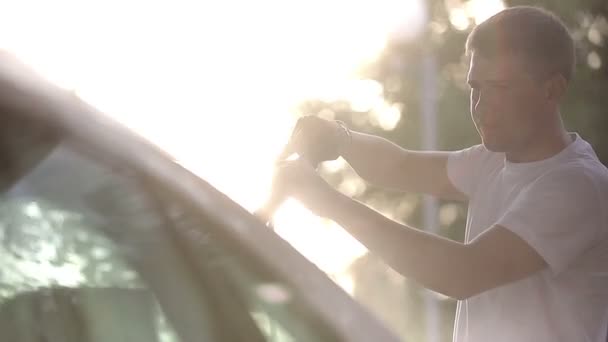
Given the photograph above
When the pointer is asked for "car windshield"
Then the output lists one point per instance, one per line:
(94, 251)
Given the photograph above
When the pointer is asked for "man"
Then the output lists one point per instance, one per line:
(534, 263)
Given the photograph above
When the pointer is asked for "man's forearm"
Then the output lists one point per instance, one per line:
(439, 264)
(387, 165)
(371, 156)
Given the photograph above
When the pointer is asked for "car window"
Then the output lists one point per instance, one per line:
(62, 277)
(91, 250)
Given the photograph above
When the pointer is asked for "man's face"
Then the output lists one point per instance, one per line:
(508, 105)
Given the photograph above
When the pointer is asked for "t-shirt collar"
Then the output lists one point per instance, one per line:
(574, 145)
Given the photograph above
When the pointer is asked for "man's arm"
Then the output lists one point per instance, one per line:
(494, 258)
(387, 165)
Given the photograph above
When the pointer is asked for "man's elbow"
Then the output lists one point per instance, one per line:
(472, 285)
(456, 287)
(465, 294)
(469, 281)
(462, 292)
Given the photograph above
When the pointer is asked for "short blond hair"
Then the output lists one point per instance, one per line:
(536, 34)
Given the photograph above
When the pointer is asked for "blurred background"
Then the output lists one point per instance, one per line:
(220, 85)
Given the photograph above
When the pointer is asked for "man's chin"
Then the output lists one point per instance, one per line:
(493, 146)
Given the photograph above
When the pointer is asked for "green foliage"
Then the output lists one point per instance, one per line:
(42, 246)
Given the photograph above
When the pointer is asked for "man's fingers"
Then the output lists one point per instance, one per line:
(283, 174)
(302, 136)
(270, 207)
(287, 163)
(294, 140)
(291, 147)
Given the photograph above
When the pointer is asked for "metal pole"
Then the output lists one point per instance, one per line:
(430, 209)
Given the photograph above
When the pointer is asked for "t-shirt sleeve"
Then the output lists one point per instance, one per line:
(464, 166)
(560, 215)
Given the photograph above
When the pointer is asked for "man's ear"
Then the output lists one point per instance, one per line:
(555, 88)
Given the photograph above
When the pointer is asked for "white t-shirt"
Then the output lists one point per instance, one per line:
(559, 206)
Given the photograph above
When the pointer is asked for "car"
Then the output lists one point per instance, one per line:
(105, 237)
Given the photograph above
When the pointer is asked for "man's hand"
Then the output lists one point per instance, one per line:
(299, 180)
(316, 139)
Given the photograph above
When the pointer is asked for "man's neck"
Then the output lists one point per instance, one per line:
(541, 146)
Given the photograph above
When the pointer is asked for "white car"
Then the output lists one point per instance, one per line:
(103, 237)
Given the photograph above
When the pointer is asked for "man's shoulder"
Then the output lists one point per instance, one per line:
(483, 155)
(578, 162)
(577, 175)
(583, 161)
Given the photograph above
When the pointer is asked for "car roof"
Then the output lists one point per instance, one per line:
(30, 94)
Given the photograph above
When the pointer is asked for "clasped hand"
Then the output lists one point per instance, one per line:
(314, 140)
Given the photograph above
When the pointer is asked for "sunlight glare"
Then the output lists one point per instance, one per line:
(324, 243)
(386, 115)
(217, 84)
(481, 10)
(46, 273)
(461, 13)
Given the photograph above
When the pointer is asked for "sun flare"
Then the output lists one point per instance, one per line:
(216, 83)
